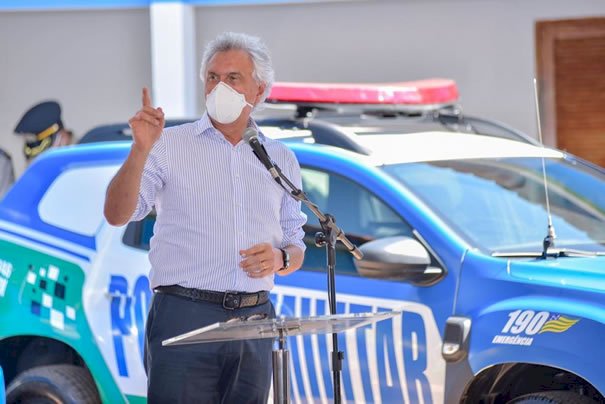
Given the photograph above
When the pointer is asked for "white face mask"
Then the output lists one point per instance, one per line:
(224, 104)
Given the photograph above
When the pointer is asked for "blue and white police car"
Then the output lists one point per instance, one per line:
(452, 223)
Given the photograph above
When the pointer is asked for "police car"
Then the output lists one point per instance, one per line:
(491, 248)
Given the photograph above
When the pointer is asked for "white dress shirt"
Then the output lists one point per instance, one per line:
(212, 200)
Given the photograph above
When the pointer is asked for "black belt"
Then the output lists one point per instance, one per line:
(229, 300)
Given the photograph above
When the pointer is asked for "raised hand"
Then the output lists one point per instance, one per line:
(147, 124)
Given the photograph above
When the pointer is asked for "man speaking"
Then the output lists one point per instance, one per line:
(224, 228)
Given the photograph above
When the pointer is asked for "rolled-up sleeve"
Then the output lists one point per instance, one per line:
(152, 180)
(292, 218)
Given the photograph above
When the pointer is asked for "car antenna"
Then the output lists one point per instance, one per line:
(549, 240)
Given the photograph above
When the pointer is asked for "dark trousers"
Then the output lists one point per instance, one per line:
(217, 372)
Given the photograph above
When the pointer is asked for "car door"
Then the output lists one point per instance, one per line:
(396, 360)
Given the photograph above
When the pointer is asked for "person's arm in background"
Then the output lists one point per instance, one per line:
(123, 191)
(7, 173)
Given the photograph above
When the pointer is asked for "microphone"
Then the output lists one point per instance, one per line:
(251, 137)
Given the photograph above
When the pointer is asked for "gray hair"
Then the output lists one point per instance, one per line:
(263, 68)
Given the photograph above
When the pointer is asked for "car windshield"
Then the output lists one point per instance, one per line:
(499, 205)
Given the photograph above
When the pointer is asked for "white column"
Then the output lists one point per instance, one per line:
(174, 73)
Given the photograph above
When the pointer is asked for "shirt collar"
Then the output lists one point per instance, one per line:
(205, 127)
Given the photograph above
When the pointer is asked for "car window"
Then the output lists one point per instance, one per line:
(361, 214)
(358, 212)
(138, 234)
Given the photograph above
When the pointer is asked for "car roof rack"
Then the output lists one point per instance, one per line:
(322, 132)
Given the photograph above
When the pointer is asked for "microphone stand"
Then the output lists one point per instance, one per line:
(328, 237)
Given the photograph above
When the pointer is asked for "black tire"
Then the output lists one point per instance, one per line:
(54, 384)
(553, 397)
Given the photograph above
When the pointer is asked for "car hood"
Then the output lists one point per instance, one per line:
(574, 272)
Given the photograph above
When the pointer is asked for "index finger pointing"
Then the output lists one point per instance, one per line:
(146, 97)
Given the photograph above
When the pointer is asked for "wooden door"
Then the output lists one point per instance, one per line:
(570, 61)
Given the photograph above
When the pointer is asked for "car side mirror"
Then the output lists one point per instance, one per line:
(398, 258)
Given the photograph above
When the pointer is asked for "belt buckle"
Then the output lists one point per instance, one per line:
(231, 300)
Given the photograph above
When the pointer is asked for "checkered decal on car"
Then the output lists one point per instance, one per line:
(48, 289)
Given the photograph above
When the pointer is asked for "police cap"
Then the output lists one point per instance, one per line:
(39, 125)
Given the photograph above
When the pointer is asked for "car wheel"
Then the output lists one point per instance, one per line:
(552, 397)
(60, 384)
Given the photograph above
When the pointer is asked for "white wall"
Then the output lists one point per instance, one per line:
(95, 62)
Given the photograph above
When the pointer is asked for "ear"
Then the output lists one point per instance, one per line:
(259, 93)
